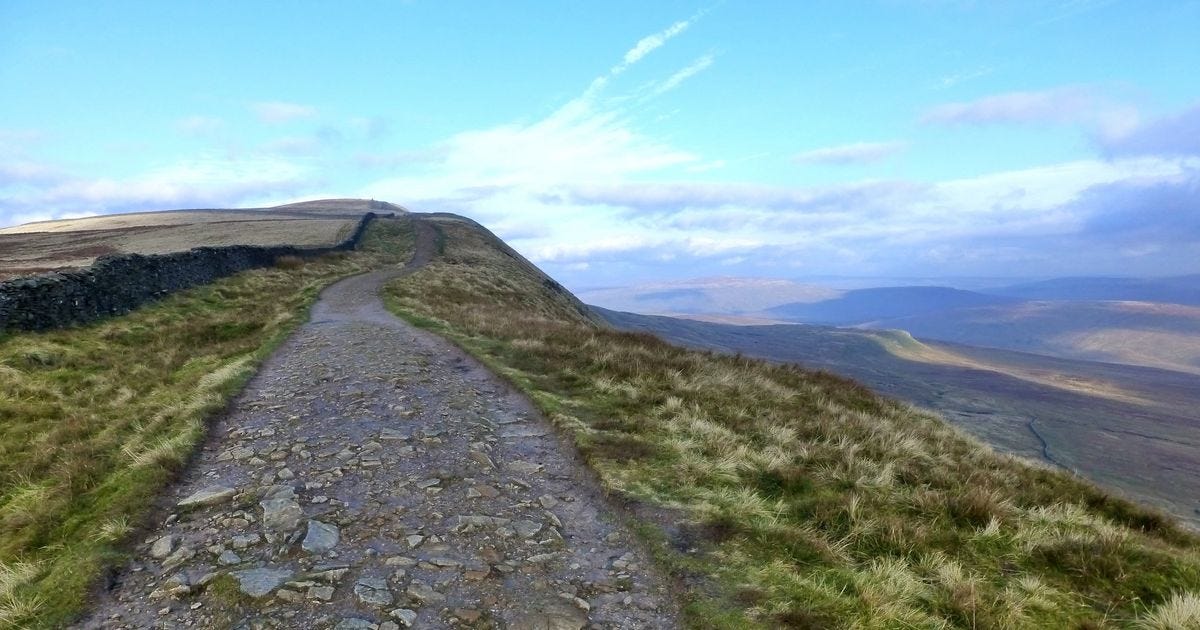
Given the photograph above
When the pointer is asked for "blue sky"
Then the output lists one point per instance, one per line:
(622, 142)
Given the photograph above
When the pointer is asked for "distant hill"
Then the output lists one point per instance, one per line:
(1177, 290)
(885, 303)
(1137, 333)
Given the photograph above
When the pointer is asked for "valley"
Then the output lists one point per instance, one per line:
(1134, 429)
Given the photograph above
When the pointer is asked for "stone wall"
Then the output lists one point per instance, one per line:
(120, 283)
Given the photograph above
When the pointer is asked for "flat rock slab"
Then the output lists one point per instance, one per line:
(554, 617)
(321, 537)
(260, 582)
(385, 480)
(207, 496)
(524, 431)
(281, 514)
(373, 591)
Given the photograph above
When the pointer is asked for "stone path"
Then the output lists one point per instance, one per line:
(374, 476)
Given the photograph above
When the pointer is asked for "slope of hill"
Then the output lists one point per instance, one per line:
(789, 498)
(1176, 290)
(72, 243)
(884, 303)
(1138, 333)
(1132, 429)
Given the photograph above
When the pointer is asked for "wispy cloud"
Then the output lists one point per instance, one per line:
(14, 141)
(650, 43)
(696, 67)
(1069, 9)
(951, 80)
(856, 153)
(28, 172)
(584, 140)
(1056, 105)
(643, 47)
(294, 145)
(211, 181)
(198, 125)
(275, 112)
(671, 197)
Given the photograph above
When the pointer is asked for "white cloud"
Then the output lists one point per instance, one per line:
(586, 192)
(275, 112)
(293, 145)
(1173, 134)
(584, 140)
(200, 125)
(19, 141)
(644, 47)
(28, 172)
(850, 153)
(650, 43)
(951, 80)
(204, 182)
(696, 67)
(866, 227)
(1065, 104)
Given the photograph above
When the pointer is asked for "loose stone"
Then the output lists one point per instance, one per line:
(162, 547)
(407, 617)
(424, 592)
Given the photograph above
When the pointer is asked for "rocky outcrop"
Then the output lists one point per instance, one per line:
(120, 283)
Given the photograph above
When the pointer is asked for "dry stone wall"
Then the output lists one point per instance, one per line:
(120, 283)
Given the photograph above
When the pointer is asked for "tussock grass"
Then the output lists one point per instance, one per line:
(803, 500)
(1182, 611)
(95, 420)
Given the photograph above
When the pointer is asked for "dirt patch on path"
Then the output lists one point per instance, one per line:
(374, 476)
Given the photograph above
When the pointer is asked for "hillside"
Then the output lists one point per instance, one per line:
(1138, 333)
(74, 243)
(786, 497)
(1132, 429)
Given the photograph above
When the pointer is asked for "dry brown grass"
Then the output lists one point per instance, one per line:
(1169, 350)
(73, 243)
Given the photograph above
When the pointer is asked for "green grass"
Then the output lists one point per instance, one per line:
(788, 498)
(95, 420)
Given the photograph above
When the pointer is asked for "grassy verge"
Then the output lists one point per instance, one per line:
(95, 420)
(800, 499)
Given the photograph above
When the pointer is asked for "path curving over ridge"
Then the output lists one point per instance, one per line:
(372, 475)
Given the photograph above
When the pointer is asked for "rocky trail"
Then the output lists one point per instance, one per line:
(374, 476)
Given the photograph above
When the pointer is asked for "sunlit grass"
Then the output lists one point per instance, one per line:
(95, 420)
(801, 499)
